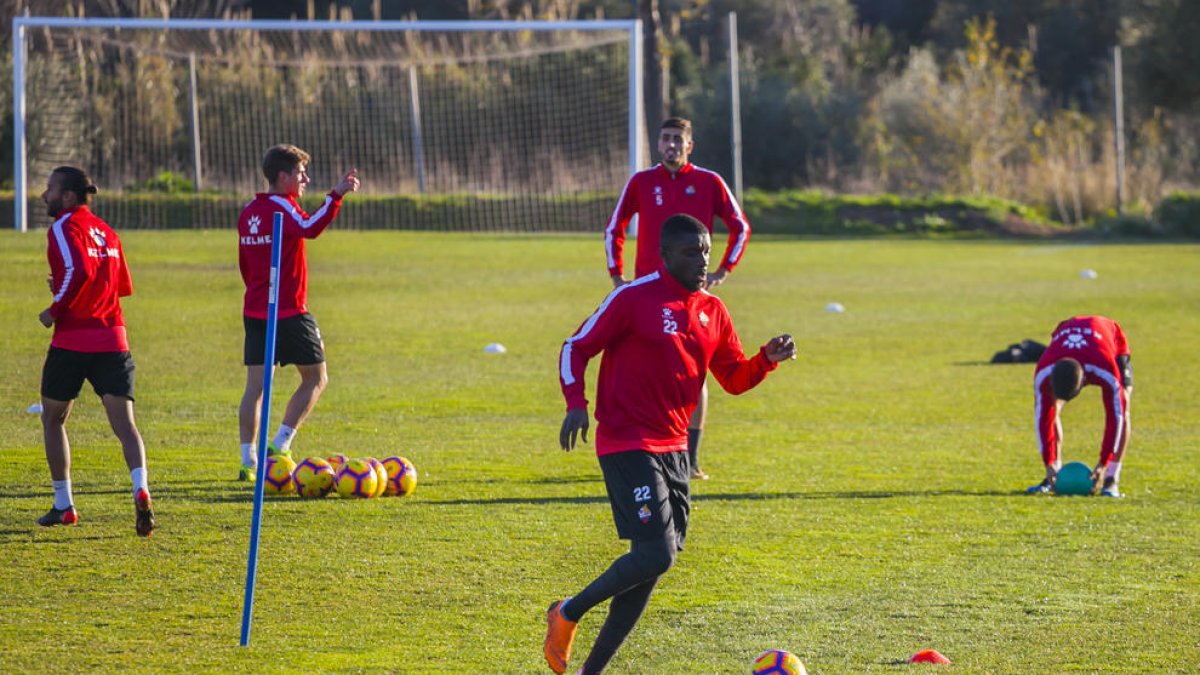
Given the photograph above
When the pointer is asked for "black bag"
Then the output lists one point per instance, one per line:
(1026, 351)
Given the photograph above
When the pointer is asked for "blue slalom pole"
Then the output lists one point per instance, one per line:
(261, 472)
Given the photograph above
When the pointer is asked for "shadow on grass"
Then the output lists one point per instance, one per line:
(738, 497)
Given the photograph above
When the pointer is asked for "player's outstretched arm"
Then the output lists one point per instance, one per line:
(780, 348)
(575, 423)
(618, 281)
(349, 183)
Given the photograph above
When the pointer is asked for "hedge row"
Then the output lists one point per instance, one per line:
(784, 212)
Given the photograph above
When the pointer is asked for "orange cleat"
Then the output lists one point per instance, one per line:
(145, 516)
(560, 633)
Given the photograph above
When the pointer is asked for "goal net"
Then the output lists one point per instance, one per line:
(451, 125)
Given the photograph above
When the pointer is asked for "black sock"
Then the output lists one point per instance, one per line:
(646, 561)
(624, 611)
(694, 447)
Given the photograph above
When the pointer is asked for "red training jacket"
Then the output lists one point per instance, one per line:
(656, 194)
(659, 341)
(254, 250)
(1095, 342)
(88, 277)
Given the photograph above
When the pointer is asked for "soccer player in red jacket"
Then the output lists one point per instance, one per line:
(660, 335)
(1084, 350)
(88, 278)
(297, 337)
(676, 186)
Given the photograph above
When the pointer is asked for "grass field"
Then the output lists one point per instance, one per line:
(866, 500)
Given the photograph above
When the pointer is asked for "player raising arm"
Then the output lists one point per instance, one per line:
(660, 335)
(297, 337)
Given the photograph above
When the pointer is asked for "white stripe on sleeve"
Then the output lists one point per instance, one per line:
(295, 214)
(564, 365)
(65, 251)
(610, 231)
(1038, 402)
(1115, 387)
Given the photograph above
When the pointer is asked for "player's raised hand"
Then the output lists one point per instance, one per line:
(573, 424)
(781, 348)
(716, 278)
(349, 183)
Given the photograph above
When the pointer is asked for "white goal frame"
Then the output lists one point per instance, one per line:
(22, 23)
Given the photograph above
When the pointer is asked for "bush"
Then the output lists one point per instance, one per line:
(166, 181)
(1179, 214)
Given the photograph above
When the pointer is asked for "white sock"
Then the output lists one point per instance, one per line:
(62, 493)
(283, 439)
(139, 480)
(249, 455)
(1113, 471)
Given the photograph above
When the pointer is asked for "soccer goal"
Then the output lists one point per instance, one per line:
(471, 125)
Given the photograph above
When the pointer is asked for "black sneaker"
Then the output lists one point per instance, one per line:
(145, 515)
(1042, 488)
(67, 516)
(1110, 488)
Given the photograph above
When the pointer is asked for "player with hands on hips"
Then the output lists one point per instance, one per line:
(674, 186)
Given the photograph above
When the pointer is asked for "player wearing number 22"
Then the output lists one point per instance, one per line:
(660, 335)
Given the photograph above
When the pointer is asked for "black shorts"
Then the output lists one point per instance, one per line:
(297, 341)
(649, 493)
(65, 371)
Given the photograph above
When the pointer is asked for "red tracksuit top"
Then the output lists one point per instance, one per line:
(655, 195)
(254, 250)
(1095, 342)
(659, 340)
(88, 276)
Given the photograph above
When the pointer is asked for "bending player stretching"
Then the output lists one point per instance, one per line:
(660, 336)
(1084, 350)
(297, 337)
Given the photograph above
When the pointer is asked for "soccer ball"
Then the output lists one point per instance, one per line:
(278, 475)
(777, 662)
(336, 461)
(381, 476)
(1075, 478)
(357, 478)
(313, 477)
(402, 476)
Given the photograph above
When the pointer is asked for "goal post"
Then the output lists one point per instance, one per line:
(467, 125)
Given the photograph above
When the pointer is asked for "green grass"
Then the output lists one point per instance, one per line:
(865, 500)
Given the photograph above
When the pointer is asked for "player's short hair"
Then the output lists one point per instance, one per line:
(283, 157)
(681, 123)
(76, 180)
(1066, 379)
(679, 225)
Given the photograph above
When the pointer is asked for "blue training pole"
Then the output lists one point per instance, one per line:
(261, 472)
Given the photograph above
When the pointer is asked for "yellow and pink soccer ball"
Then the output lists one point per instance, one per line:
(336, 461)
(313, 477)
(277, 475)
(380, 476)
(402, 476)
(357, 478)
(777, 662)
